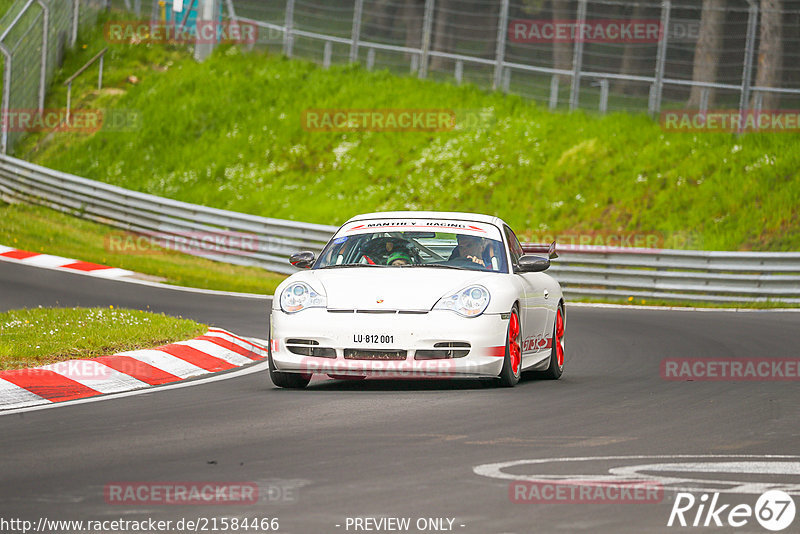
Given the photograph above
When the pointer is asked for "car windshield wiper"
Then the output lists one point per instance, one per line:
(439, 265)
(351, 265)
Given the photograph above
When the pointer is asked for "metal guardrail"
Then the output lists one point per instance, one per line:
(583, 271)
(260, 241)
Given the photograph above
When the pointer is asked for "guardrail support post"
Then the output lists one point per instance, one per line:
(661, 60)
(459, 73)
(500, 53)
(577, 59)
(288, 38)
(427, 26)
(356, 35)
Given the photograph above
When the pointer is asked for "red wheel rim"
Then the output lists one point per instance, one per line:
(560, 338)
(513, 343)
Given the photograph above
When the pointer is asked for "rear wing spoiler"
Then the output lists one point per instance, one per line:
(540, 249)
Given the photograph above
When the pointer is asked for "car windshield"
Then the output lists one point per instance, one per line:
(416, 243)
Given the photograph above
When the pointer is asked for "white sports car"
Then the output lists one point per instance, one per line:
(419, 294)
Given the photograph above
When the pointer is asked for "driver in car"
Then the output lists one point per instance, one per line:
(469, 247)
(399, 258)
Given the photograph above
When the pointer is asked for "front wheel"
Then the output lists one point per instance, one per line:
(512, 362)
(556, 368)
(286, 380)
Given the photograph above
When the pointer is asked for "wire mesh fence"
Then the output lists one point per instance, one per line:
(609, 55)
(35, 34)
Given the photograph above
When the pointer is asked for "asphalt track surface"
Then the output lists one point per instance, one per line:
(400, 448)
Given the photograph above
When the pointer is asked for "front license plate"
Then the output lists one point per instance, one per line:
(373, 339)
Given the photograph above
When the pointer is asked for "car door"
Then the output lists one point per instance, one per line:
(534, 312)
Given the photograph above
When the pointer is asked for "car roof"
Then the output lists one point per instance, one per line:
(446, 215)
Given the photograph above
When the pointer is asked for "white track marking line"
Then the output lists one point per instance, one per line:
(215, 350)
(165, 362)
(260, 367)
(12, 394)
(96, 376)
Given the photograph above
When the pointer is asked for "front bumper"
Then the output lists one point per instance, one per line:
(415, 333)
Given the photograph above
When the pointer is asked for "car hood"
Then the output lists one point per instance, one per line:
(390, 288)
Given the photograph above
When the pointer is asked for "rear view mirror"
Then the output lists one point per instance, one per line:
(302, 260)
(532, 264)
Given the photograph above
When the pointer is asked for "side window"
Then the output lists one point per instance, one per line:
(513, 245)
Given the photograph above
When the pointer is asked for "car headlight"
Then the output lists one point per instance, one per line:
(299, 296)
(469, 302)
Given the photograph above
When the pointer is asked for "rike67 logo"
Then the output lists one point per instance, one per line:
(774, 510)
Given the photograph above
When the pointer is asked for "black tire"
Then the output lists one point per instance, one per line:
(508, 377)
(286, 380)
(556, 369)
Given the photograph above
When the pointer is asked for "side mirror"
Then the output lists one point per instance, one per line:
(532, 264)
(302, 260)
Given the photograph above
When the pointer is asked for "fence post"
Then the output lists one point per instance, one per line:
(500, 53)
(427, 25)
(6, 96)
(356, 35)
(43, 68)
(459, 71)
(661, 59)
(554, 91)
(327, 54)
(76, 7)
(749, 52)
(370, 58)
(137, 7)
(577, 58)
(207, 13)
(604, 96)
(288, 38)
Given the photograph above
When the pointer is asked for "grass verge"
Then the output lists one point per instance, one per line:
(39, 229)
(39, 336)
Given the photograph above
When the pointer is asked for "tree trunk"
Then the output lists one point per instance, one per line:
(708, 52)
(562, 52)
(770, 52)
(632, 60)
(413, 13)
(442, 37)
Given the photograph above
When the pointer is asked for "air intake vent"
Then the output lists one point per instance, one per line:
(374, 354)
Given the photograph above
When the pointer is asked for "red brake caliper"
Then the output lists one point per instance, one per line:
(513, 342)
(559, 337)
